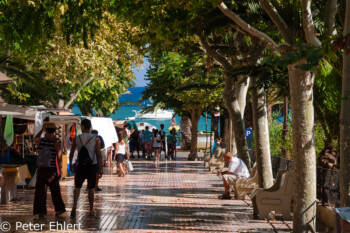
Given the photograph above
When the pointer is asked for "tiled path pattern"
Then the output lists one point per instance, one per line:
(174, 196)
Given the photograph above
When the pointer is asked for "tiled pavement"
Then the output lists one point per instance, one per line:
(172, 197)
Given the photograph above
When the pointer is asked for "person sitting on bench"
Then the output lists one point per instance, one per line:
(236, 169)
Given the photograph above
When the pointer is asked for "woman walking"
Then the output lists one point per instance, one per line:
(120, 155)
(157, 144)
(49, 172)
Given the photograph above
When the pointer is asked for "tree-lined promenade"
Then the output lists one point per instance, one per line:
(246, 57)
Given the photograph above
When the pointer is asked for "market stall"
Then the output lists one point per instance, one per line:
(19, 125)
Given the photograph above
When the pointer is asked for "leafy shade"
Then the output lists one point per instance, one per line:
(93, 76)
(182, 83)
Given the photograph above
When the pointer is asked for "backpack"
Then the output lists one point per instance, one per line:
(44, 157)
(83, 154)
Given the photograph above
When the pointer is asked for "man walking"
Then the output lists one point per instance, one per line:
(95, 132)
(162, 135)
(148, 142)
(89, 155)
(48, 173)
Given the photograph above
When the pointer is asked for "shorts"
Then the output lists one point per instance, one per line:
(120, 158)
(231, 179)
(134, 145)
(148, 145)
(170, 146)
(86, 172)
(156, 147)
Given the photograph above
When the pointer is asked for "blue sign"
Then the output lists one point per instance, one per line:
(248, 133)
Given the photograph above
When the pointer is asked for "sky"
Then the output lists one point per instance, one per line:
(140, 74)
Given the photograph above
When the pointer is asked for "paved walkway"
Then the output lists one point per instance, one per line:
(174, 196)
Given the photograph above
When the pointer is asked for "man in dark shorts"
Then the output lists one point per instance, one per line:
(87, 168)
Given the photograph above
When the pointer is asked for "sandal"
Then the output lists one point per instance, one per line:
(224, 197)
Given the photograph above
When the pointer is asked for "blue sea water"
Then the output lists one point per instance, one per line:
(125, 111)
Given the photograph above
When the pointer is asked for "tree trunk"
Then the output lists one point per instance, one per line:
(195, 116)
(261, 136)
(228, 132)
(269, 111)
(60, 103)
(301, 91)
(222, 125)
(234, 97)
(248, 116)
(185, 133)
(214, 125)
(231, 141)
(285, 133)
(345, 121)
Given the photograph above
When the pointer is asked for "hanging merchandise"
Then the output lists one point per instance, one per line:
(78, 129)
(9, 133)
(72, 131)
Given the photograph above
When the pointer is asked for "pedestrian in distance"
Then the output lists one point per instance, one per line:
(135, 143)
(142, 140)
(120, 155)
(95, 132)
(148, 142)
(157, 145)
(171, 145)
(163, 136)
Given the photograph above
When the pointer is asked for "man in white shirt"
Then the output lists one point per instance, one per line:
(236, 169)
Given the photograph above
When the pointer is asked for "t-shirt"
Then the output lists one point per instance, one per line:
(141, 138)
(157, 141)
(162, 134)
(237, 167)
(50, 143)
(170, 138)
(148, 136)
(101, 140)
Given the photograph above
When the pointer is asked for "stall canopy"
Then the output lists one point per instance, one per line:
(58, 119)
(29, 112)
(15, 110)
(105, 129)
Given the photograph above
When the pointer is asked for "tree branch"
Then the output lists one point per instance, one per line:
(75, 95)
(222, 60)
(277, 20)
(331, 11)
(251, 30)
(308, 24)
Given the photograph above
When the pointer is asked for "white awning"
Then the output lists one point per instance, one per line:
(105, 128)
(142, 126)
